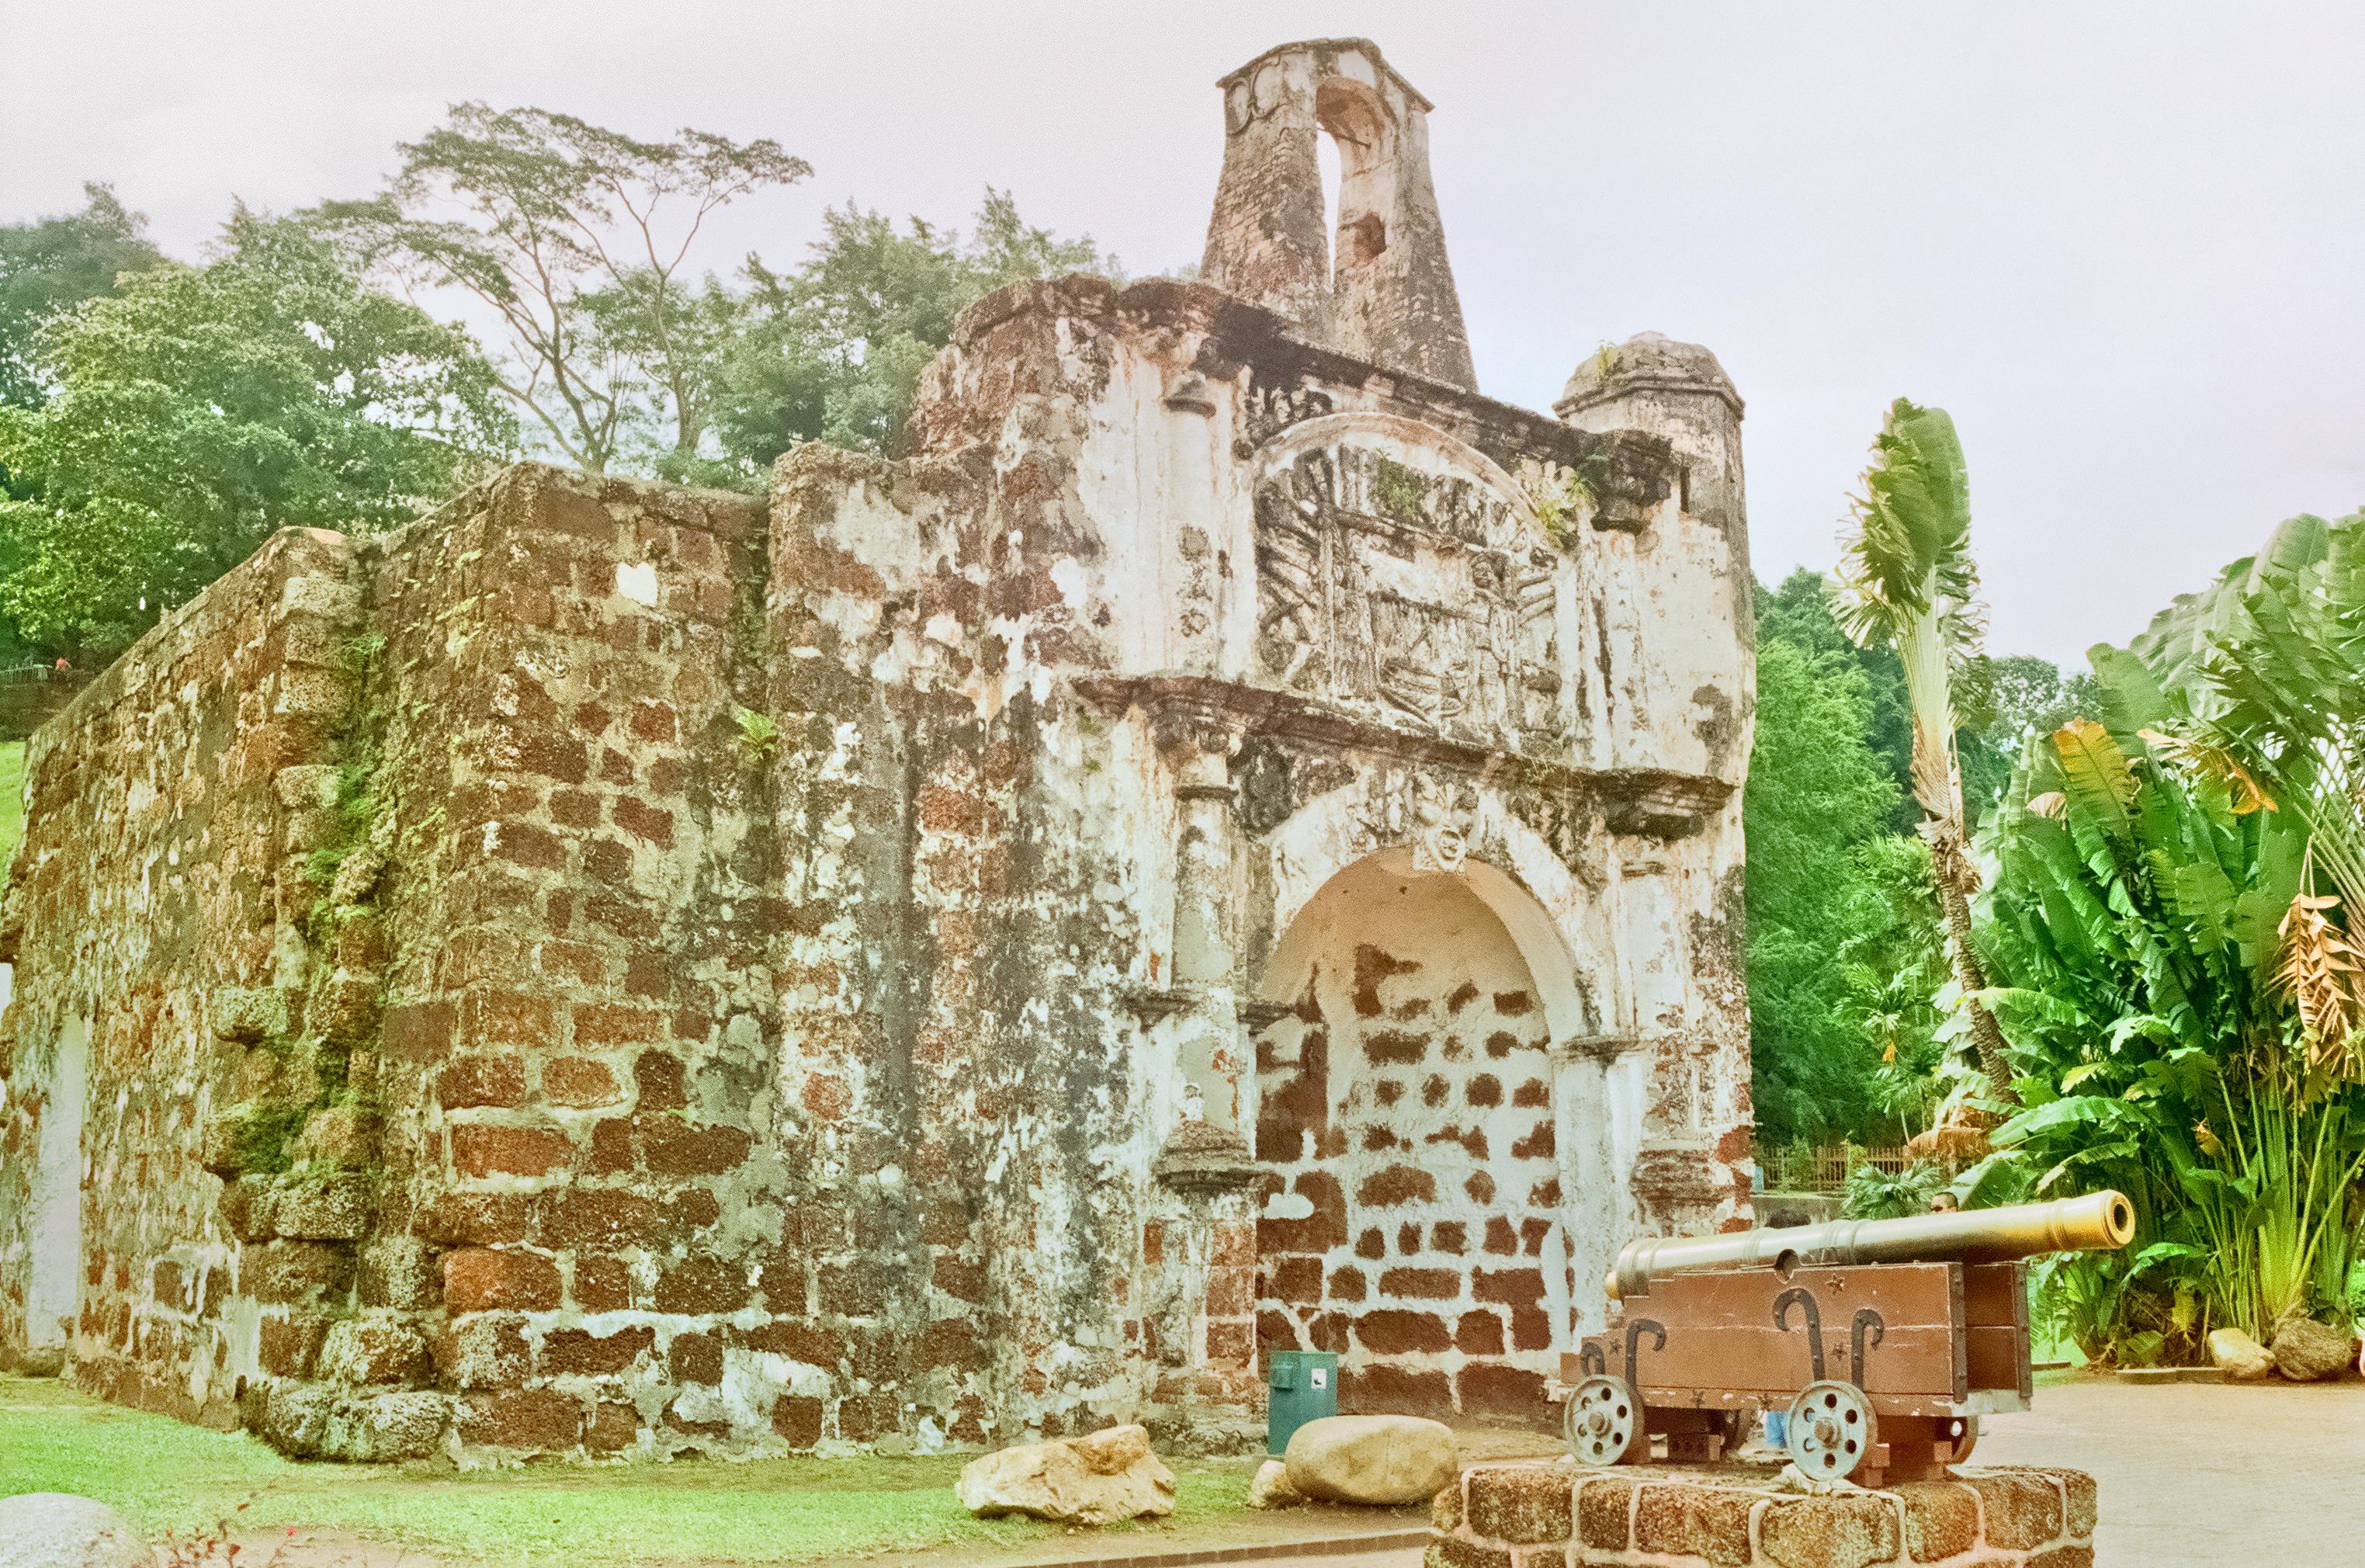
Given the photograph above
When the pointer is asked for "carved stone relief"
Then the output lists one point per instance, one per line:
(1414, 598)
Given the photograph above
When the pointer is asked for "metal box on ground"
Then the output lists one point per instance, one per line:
(1302, 1386)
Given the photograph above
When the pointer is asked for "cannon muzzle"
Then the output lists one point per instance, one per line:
(2097, 1222)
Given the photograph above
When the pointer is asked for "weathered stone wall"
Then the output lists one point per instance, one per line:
(1219, 840)
(154, 909)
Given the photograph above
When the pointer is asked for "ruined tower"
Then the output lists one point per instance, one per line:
(1230, 841)
(1381, 288)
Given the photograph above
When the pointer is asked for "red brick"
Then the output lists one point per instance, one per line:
(1386, 1389)
(1395, 1185)
(826, 1097)
(480, 1149)
(1490, 1388)
(797, 1340)
(580, 1352)
(671, 1146)
(579, 1082)
(483, 1350)
(575, 807)
(536, 1420)
(1422, 1285)
(478, 1219)
(1348, 1283)
(1501, 1239)
(478, 1279)
(1296, 1277)
(612, 1024)
(696, 1358)
(1392, 1331)
(965, 1282)
(849, 1290)
(645, 823)
(661, 1081)
(612, 1147)
(654, 720)
(1531, 1328)
(576, 961)
(951, 1342)
(798, 1420)
(602, 1285)
(702, 1284)
(1323, 1230)
(1231, 1293)
(601, 1218)
(1479, 1334)
(1511, 1287)
(553, 756)
(507, 1017)
(523, 844)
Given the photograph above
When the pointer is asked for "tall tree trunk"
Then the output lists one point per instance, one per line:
(1951, 871)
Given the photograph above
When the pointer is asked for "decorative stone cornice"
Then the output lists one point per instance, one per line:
(1211, 714)
(1200, 1157)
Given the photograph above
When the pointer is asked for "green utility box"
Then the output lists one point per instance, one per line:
(1304, 1385)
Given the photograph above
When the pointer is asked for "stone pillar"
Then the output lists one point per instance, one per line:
(1199, 1241)
(1212, 1045)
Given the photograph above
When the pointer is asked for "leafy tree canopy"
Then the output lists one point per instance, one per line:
(578, 238)
(836, 346)
(54, 263)
(203, 407)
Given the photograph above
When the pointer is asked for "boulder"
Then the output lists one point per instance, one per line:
(2309, 1352)
(1377, 1460)
(1094, 1480)
(2240, 1357)
(1271, 1488)
(57, 1529)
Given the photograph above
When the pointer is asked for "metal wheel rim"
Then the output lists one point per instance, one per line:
(1830, 1431)
(1966, 1438)
(1604, 1421)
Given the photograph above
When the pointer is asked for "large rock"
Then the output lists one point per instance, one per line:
(1094, 1480)
(2240, 1357)
(2309, 1352)
(57, 1529)
(1382, 1460)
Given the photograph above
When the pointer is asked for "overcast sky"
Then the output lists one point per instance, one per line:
(2124, 244)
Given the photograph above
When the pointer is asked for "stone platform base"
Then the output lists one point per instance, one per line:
(1531, 1515)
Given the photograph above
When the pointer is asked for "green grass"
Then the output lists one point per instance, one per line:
(12, 798)
(165, 1475)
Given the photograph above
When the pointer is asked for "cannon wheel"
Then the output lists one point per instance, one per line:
(1832, 1430)
(1965, 1433)
(1606, 1423)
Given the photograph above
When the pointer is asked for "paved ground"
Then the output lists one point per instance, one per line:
(2197, 1475)
(2191, 1475)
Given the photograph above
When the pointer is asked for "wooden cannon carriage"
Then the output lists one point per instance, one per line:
(1884, 1340)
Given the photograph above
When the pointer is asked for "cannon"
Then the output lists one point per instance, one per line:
(1884, 1340)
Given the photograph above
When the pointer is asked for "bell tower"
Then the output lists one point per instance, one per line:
(1381, 288)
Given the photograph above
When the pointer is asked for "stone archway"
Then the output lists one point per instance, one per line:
(1404, 1114)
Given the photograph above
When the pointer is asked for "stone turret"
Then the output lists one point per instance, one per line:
(1384, 293)
(1675, 390)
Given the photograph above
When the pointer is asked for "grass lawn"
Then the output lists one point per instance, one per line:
(12, 797)
(165, 1475)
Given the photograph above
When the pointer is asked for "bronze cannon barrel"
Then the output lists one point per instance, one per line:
(2097, 1222)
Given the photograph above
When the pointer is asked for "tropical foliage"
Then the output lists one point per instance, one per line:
(1907, 581)
(2173, 961)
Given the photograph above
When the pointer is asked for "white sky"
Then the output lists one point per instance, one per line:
(2124, 244)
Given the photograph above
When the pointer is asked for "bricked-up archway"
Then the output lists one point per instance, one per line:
(1405, 1112)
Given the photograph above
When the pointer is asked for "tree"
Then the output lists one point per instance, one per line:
(54, 263)
(578, 238)
(837, 345)
(1907, 580)
(1818, 798)
(202, 408)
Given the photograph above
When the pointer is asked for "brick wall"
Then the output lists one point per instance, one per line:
(1404, 1097)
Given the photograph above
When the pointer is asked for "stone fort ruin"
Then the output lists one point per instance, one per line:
(1230, 840)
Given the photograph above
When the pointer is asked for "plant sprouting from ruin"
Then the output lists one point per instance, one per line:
(759, 736)
(1558, 496)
